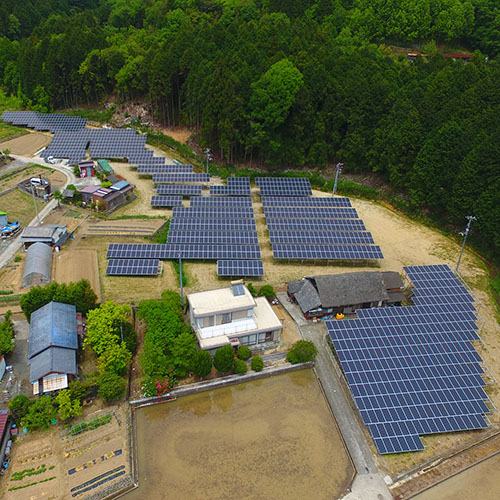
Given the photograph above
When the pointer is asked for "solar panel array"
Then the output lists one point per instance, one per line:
(236, 186)
(164, 169)
(222, 212)
(184, 250)
(413, 370)
(325, 228)
(180, 189)
(186, 177)
(213, 237)
(133, 267)
(240, 268)
(189, 224)
(284, 186)
(166, 201)
(207, 201)
(50, 122)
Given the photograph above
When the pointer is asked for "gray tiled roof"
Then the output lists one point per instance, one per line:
(53, 359)
(53, 325)
(307, 297)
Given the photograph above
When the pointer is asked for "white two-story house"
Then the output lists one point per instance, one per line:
(232, 316)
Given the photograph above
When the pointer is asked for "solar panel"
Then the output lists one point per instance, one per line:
(188, 177)
(326, 252)
(284, 201)
(310, 213)
(284, 191)
(166, 201)
(214, 212)
(190, 224)
(213, 237)
(283, 181)
(413, 370)
(315, 225)
(238, 181)
(338, 238)
(240, 268)
(181, 189)
(207, 201)
(164, 169)
(132, 267)
(233, 190)
(185, 251)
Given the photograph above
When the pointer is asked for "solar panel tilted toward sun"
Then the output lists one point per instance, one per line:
(413, 370)
(240, 268)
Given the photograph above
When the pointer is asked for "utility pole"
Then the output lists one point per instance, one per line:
(470, 218)
(36, 206)
(207, 152)
(180, 276)
(340, 165)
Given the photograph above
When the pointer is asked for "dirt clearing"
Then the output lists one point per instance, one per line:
(27, 145)
(75, 265)
(127, 227)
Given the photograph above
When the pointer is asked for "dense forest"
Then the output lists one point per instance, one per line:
(288, 83)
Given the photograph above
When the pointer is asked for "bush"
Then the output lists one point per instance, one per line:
(17, 258)
(6, 334)
(252, 289)
(224, 359)
(243, 352)
(40, 413)
(267, 291)
(240, 366)
(301, 352)
(257, 364)
(19, 406)
(111, 387)
(201, 364)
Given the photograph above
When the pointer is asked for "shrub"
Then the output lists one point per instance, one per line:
(301, 352)
(267, 291)
(224, 358)
(252, 289)
(201, 364)
(19, 406)
(240, 366)
(243, 352)
(6, 334)
(17, 258)
(111, 387)
(40, 413)
(257, 364)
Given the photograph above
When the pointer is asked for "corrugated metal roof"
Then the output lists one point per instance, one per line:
(39, 261)
(52, 360)
(105, 166)
(89, 189)
(119, 185)
(4, 416)
(53, 325)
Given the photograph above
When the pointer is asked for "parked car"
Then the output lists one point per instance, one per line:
(50, 159)
(39, 181)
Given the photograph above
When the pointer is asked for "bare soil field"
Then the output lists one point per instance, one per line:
(27, 145)
(90, 454)
(125, 227)
(57, 179)
(180, 134)
(75, 265)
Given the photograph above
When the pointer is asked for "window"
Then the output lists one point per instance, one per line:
(244, 340)
(265, 337)
(226, 318)
(252, 339)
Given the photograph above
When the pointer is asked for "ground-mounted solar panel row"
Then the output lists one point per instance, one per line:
(238, 181)
(284, 186)
(184, 251)
(413, 370)
(310, 213)
(318, 238)
(234, 190)
(186, 177)
(284, 201)
(236, 212)
(189, 224)
(164, 169)
(166, 201)
(315, 225)
(326, 252)
(51, 122)
(240, 268)
(214, 237)
(208, 201)
(179, 189)
(133, 267)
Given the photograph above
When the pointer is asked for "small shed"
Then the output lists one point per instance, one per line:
(3, 219)
(50, 234)
(68, 194)
(86, 168)
(87, 193)
(104, 167)
(38, 265)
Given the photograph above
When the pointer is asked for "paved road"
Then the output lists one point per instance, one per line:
(10, 247)
(369, 483)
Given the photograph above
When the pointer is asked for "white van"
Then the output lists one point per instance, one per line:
(38, 181)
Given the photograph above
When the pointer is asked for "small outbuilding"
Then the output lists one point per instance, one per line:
(38, 265)
(320, 296)
(3, 219)
(104, 168)
(50, 234)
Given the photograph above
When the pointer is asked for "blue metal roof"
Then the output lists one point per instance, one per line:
(53, 325)
(52, 360)
(118, 186)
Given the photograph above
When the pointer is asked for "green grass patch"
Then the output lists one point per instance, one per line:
(9, 132)
(6, 292)
(94, 115)
(163, 141)
(8, 299)
(162, 235)
(177, 271)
